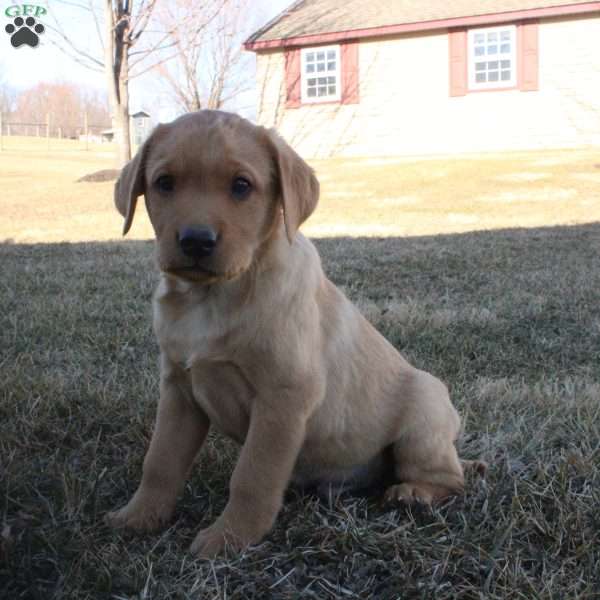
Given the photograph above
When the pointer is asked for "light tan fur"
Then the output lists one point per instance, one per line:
(257, 342)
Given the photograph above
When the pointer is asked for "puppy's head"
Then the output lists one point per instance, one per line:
(215, 187)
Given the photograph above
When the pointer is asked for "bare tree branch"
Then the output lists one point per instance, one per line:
(195, 16)
(162, 61)
(138, 26)
(96, 23)
(66, 3)
(205, 70)
(75, 52)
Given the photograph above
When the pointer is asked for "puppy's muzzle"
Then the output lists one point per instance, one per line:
(197, 241)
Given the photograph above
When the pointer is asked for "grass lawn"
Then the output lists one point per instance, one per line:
(508, 317)
(42, 201)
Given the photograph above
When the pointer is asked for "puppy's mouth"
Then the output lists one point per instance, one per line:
(201, 274)
(193, 272)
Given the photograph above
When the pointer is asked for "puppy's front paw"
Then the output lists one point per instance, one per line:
(140, 515)
(211, 542)
(220, 539)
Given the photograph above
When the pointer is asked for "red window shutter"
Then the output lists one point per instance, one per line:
(528, 56)
(350, 74)
(457, 54)
(292, 78)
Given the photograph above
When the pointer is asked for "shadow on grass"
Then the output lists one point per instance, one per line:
(510, 319)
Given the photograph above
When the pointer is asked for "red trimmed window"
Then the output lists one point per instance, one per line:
(493, 58)
(322, 74)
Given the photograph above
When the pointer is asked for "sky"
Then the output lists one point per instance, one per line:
(24, 66)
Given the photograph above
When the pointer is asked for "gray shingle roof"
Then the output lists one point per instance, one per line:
(312, 17)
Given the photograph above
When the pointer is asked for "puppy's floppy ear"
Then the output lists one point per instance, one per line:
(130, 185)
(298, 186)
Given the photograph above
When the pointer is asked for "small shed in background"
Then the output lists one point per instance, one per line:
(141, 125)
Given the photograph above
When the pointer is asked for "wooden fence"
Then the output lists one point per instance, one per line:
(86, 133)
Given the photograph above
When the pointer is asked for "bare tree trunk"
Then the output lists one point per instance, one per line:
(109, 53)
(116, 70)
(123, 111)
(122, 30)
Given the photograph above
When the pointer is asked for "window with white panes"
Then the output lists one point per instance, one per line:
(320, 74)
(492, 57)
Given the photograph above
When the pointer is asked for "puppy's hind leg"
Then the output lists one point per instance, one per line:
(426, 463)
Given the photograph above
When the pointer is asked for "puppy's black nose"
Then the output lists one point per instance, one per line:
(197, 241)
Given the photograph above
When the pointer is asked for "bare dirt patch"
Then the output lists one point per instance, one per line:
(102, 175)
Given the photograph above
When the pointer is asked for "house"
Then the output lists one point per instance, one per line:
(415, 77)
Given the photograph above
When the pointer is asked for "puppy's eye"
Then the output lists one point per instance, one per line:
(240, 188)
(165, 183)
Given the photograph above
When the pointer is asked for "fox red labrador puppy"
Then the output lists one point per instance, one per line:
(258, 343)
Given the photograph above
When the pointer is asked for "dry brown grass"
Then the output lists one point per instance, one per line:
(509, 319)
(448, 195)
(44, 203)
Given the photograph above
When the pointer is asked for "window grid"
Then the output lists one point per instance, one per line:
(321, 74)
(492, 57)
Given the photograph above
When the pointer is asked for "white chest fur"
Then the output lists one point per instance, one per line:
(193, 333)
(189, 328)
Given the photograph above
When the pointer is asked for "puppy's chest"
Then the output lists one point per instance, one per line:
(203, 350)
(188, 335)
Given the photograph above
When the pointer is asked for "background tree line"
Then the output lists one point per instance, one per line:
(68, 105)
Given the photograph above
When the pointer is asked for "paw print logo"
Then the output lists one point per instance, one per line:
(24, 31)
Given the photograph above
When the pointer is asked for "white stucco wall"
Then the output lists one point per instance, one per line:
(405, 107)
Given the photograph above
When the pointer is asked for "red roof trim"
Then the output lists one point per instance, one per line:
(339, 36)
